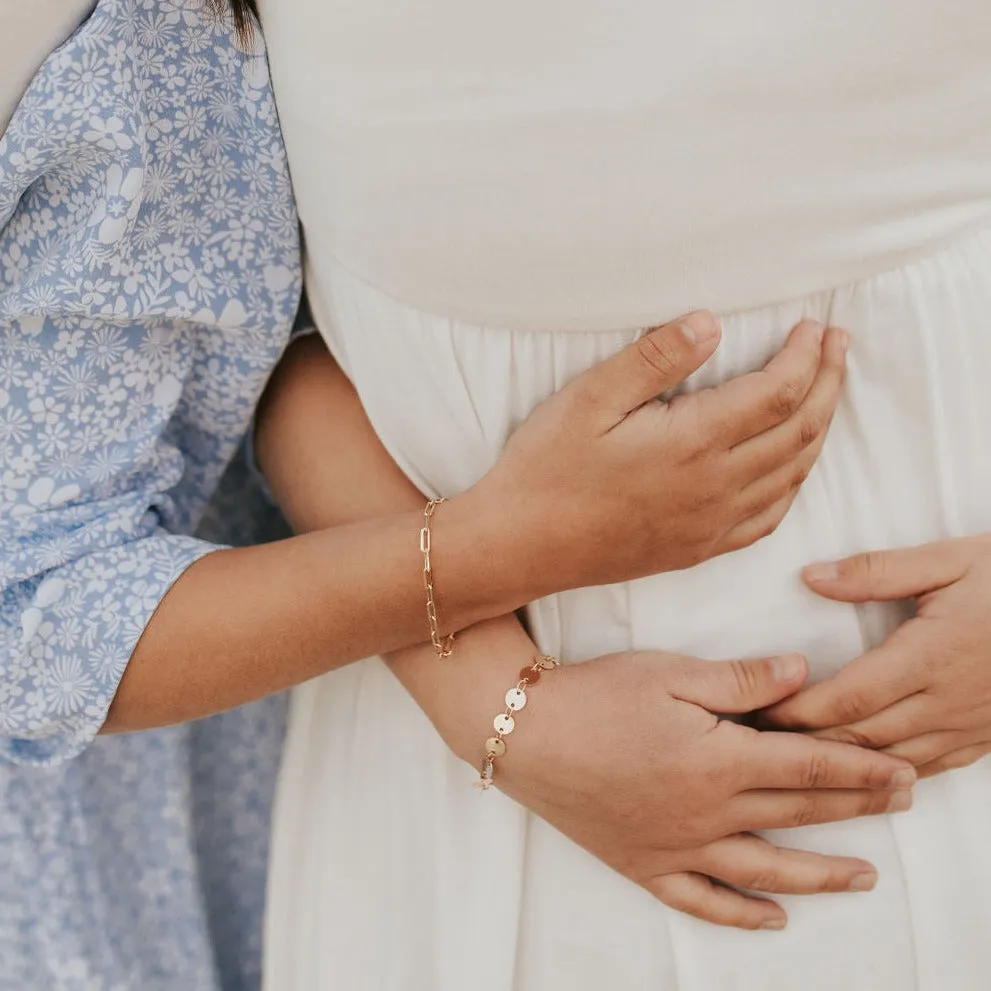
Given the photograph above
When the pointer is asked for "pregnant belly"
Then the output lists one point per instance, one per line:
(906, 460)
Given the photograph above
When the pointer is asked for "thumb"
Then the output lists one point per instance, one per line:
(738, 686)
(886, 575)
(642, 371)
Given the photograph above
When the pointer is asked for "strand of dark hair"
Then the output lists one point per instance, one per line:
(243, 11)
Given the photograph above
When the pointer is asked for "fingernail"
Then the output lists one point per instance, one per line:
(791, 667)
(776, 924)
(699, 326)
(817, 327)
(821, 572)
(842, 340)
(904, 778)
(900, 802)
(863, 882)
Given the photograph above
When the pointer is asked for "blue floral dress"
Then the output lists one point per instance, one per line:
(149, 274)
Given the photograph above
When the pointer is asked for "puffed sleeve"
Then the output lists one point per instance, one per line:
(86, 469)
(149, 272)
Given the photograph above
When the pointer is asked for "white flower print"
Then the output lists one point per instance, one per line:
(14, 427)
(87, 77)
(69, 341)
(133, 348)
(108, 134)
(69, 684)
(105, 346)
(191, 123)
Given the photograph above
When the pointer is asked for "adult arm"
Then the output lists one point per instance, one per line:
(102, 604)
(239, 624)
(606, 743)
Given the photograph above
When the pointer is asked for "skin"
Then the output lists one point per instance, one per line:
(645, 719)
(605, 483)
(924, 694)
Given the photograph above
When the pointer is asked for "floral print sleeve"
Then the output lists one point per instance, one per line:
(148, 277)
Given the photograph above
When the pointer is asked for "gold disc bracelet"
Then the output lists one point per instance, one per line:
(505, 722)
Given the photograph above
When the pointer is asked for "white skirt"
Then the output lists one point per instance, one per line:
(391, 873)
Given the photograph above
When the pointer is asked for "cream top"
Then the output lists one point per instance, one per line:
(576, 164)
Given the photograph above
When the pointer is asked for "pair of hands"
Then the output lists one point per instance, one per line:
(923, 696)
(602, 484)
(729, 463)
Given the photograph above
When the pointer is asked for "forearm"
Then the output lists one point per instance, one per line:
(326, 466)
(243, 623)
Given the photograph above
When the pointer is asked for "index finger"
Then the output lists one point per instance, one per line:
(750, 404)
(868, 684)
(792, 761)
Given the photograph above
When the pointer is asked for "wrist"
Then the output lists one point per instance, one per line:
(461, 696)
(509, 551)
(487, 562)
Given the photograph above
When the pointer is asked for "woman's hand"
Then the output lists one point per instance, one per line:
(925, 693)
(603, 483)
(624, 756)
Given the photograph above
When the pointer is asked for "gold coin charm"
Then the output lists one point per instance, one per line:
(494, 747)
(504, 725)
(515, 699)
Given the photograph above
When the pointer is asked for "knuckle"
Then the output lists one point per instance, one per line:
(700, 454)
(856, 738)
(808, 812)
(817, 772)
(873, 565)
(799, 477)
(874, 775)
(852, 705)
(585, 395)
(765, 879)
(768, 525)
(809, 429)
(660, 353)
(787, 397)
(745, 677)
(764, 524)
(823, 879)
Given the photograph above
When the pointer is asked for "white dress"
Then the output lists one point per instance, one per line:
(495, 197)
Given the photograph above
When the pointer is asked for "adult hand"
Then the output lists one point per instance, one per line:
(604, 483)
(626, 758)
(925, 693)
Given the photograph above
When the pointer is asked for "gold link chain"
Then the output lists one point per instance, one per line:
(443, 643)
